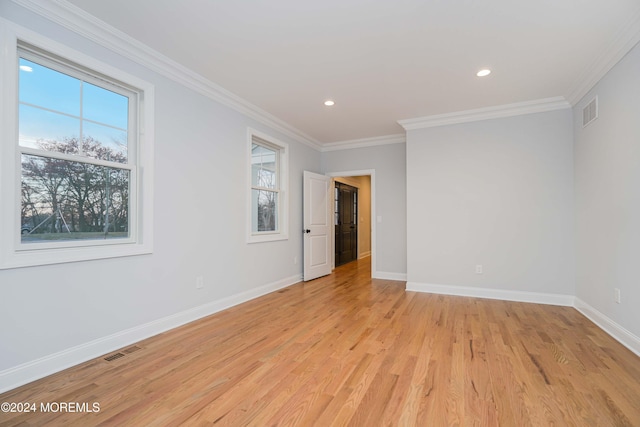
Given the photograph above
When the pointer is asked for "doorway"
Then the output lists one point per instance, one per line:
(345, 223)
(364, 229)
(365, 181)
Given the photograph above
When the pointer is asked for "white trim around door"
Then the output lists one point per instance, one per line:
(371, 173)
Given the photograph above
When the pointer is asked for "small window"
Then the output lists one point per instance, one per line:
(268, 195)
(77, 176)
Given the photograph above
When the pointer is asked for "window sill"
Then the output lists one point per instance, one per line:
(259, 238)
(37, 257)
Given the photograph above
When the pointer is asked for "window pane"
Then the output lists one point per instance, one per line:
(48, 88)
(104, 142)
(63, 200)
(336, 204)
(263, 167)
(355, 208)
(41, 129)
(264, 178)
(265, 210)
(104, 106)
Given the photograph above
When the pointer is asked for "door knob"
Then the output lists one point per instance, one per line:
(306, 231)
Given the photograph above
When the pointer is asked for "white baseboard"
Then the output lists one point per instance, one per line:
(620, 334)
(389, 276)
(39, 368)
(501, 294)
(31, 371)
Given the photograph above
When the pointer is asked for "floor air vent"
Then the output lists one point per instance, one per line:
(590, 112)
(122, 353)
(114, 357)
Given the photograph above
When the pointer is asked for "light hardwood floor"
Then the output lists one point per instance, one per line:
(348, 350)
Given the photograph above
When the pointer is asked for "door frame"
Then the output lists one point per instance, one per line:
(372, 174)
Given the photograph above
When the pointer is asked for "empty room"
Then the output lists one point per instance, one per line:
(410, 213)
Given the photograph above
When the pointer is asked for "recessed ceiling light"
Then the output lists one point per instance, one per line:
(26, 68)
(483, 73)
(329, 103)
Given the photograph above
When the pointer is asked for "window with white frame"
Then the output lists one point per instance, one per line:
(268, 197)
(80, 152)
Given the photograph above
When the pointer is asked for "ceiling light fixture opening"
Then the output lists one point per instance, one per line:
(329, 103)
(483, 73)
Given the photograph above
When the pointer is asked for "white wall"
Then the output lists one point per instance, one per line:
(200, 213)
(496, 193)
(607, 188)
(389, 164)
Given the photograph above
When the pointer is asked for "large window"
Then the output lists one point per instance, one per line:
(76, 187)
(76, 169)
(268, 195)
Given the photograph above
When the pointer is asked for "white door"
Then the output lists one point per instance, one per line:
(317, 225)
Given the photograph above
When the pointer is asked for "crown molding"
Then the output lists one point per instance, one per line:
(364, 142)
(627, 37)
(486, 113)
(82, 23)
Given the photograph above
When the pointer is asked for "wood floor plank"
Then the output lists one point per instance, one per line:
(349, 350)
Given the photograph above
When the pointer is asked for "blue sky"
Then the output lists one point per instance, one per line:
(54, 105)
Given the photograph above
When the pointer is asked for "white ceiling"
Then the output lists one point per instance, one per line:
(381, 61)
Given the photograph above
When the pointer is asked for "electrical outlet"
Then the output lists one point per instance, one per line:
(479, 269)
(616, 295)
(199, 282)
